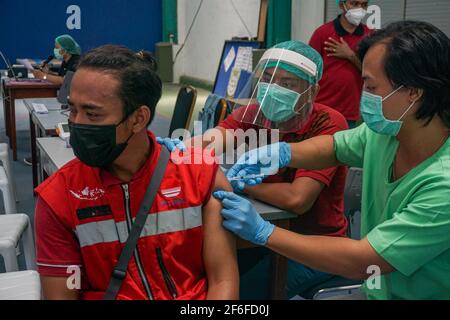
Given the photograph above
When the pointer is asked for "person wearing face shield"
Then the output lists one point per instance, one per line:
(85, 211)
(404, 150)
(66, 50)
(337, 42)
(280, 99)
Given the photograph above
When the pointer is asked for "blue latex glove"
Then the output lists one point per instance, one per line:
(171, 144)
(265, 160)
(241, 218)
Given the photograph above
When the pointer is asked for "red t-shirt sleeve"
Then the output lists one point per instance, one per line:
(325, 176)
(57, 247)
(232, 122)
(336, 123)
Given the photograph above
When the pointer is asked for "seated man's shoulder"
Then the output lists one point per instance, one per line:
(195, 158)
(335, 118)
(242, 118)
(195, 168)
(325, 28)
(72, 167)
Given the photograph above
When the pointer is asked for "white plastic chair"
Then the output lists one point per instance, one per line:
(13, 227)
(8, 197)
(6, 162)
(22, 285)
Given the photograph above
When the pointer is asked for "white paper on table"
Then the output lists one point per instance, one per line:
(26, 63)
(39, 108)
(229, 59)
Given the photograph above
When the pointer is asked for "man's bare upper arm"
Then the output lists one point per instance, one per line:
(55, 288)
(212, 219)
(219, 244)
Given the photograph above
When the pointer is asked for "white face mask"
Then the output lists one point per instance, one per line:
(355, 16)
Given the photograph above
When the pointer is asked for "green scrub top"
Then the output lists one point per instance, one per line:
(406, 221)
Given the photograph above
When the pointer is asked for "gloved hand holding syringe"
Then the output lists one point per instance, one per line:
(247, 177)
(252, 167)
(241, 180)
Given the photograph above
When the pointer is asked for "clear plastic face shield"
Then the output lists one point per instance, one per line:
(276, 97)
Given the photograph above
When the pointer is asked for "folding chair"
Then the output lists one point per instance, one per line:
(184, 107)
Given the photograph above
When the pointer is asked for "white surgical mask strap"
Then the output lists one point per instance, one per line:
(407, 110)
(300, 95)
(392, 93)
(306, 90)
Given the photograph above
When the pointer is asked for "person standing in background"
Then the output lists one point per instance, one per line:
(337, 42)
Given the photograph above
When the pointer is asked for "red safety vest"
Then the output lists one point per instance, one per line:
(168, 262)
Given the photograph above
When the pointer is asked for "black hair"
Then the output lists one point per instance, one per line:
(418, 56)
(136, 72)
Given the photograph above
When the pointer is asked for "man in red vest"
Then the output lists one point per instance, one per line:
(85, 211)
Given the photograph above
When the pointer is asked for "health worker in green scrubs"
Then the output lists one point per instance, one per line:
(404, 150)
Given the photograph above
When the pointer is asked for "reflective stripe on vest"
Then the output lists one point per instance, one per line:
(157, 223)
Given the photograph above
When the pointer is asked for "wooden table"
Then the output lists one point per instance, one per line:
(22, 90)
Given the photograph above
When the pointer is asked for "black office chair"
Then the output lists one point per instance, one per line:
(64, 90)
(338, 285)
(184, 107)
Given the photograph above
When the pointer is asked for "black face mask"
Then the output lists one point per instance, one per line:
(95, 145)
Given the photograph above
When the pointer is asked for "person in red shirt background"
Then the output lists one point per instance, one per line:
(337, 42)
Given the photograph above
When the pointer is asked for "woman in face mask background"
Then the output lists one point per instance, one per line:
(68, 52)
(404, 150)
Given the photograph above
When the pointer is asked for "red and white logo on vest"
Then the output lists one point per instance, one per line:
(88, 194)
(171, 193)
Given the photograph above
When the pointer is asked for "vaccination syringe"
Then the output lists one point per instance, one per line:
(251, 176)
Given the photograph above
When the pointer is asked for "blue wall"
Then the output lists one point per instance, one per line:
(28, 27)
